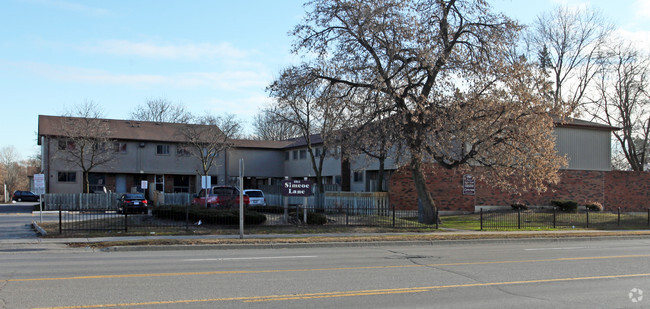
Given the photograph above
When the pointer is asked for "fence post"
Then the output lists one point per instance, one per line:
(618, 221)
(648, 217)
(187, 217)
(126, 220)
(587, 212)
(554, 217)
(347, 206)
(393, 206)
(481, 219)
(60, 220)
(437, 218)
(519, 218)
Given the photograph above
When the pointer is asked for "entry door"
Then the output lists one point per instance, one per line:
(120, 183)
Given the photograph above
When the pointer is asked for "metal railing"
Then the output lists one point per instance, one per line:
(528, 219)
(184, 217)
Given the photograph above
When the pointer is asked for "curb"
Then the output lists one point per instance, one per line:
(367, 244)
(38, 229)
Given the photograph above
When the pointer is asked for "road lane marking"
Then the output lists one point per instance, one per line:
(252, 258)
(559, 248)
(352, 293)
(231, 272)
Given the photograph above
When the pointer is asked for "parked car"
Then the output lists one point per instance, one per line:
(256, 197)
(219, 196)
(132, 203)
(25, 196)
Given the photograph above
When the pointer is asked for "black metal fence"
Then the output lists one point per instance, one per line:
(186, 217)
(547, 219)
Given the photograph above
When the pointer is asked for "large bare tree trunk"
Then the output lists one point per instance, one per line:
(428, 204)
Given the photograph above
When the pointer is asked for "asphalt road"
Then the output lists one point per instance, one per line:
(512, 274)
(15, 221)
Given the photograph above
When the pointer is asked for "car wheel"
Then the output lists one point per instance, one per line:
(20, 199)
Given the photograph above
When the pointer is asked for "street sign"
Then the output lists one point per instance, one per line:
(296, 188)
(39, 184)
(206, 182)
(469, 185)
(144, 184)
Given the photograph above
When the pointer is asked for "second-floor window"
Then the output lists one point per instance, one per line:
(162, 149)
(66, 145)
(303, 154)
(182, 151)
(119, 147)
(287, 155)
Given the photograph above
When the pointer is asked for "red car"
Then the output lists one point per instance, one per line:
(219, 196)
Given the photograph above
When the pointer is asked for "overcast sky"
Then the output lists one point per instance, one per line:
(215, 56)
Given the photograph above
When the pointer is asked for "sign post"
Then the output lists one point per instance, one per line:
(241, 198)
(296, 188)
(39, 187)
(206, 183)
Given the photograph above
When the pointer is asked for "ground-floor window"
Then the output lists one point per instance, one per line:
(67, 176)
(97, 182)
(181, 184)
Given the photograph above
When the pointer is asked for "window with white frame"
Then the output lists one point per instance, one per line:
(162, 149)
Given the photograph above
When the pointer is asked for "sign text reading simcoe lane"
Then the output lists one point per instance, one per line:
(296, 188)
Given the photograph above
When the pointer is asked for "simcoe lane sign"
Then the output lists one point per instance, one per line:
(296, 188)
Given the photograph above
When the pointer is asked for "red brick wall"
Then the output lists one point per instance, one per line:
(627, 190)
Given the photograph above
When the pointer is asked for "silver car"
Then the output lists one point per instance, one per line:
(256, 197)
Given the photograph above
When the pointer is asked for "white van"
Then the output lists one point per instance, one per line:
(256, 197)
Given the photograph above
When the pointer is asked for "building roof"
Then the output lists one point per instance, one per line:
(579, 123)
(168, 132)
(120, 129)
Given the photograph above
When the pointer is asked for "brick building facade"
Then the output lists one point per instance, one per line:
(628, 190)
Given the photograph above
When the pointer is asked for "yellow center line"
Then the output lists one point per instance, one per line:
(352, 293)
(231, 272)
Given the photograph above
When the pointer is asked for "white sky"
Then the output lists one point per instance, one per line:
(215, 56)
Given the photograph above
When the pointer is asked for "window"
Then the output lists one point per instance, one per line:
(182, 151)
(303, 154)
(287, 155)
(358, 176)
(67, 177)
(162, 149)
(295, 154)
(317, 152)
(119, 147)
(66, 145)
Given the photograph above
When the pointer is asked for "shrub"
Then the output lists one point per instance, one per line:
(594, 206)
(208, 216)
(312, 217)
(519, 206)
(566, 205)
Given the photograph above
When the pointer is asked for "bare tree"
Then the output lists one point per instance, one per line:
(161, 110)
(12, 171)
(85, 140)
(458, 96)
(313, 108)
(374, 139)
(623, 100)
(207, 136)
(566, 42)
(267, 126)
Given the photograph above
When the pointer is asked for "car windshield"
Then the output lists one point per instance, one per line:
(254, 194)
(134, 196)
